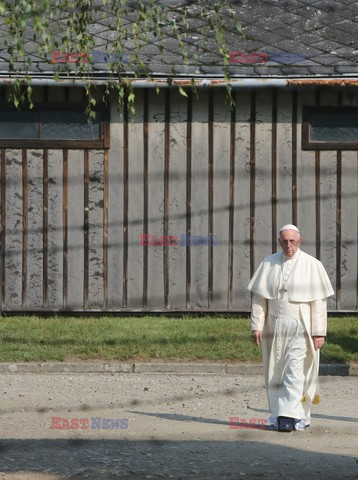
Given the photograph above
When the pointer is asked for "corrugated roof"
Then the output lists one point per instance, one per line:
(323, 32)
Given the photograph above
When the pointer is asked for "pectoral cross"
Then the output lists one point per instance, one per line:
(282, 291)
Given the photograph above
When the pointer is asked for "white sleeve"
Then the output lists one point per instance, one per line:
(258, 312)
(319, 317)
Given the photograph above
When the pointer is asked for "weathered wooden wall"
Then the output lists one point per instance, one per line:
(71, 220)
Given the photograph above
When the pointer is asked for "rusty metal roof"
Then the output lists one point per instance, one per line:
(295, 39)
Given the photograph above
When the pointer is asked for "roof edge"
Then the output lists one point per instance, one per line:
(200, 82)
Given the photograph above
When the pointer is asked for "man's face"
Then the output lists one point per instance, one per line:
(289, 241)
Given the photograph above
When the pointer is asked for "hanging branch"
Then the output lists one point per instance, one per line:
(65, 27)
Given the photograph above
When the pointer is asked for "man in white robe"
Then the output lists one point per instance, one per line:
(289, 316)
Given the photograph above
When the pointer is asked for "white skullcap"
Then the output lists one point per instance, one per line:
(289, 226)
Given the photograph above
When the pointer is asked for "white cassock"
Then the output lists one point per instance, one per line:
(289, 306)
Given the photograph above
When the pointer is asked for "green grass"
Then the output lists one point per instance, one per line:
(31, 338)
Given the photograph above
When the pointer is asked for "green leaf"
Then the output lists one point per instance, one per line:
(182, 92)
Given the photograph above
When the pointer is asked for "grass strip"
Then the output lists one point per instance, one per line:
(59, 338)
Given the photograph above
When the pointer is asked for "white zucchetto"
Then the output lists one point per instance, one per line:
(289, 226)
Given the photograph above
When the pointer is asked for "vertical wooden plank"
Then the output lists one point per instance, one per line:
(242, 225)
(188, 197)
(199, 197)
(13, 220)
(252, 180)
(306, 184)
(318, 202)
(3, 225)
(231, 201)
(339, 217)
(318, 189)
(115, 209)
(274, 172)
(105, 229)
(34, 296)
(85, 227)
(221, 199)
(263, 176)
(284, 158)
(177, 199)
(156, 133)
(349, 225)
(75, 217)
(125, 205)
(211, 196)
(55, 229)
(65, 228)
(145, 195)
(95, 228)
(294, 157)
(166, 197)
(135, 204)
(328, 177)
(25, 247)
(45, 230)
(338, 228)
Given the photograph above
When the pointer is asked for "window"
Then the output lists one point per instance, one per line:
(53, 126)
(330, 128)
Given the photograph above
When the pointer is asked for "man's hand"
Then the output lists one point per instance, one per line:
(256, 336)
(318, 342)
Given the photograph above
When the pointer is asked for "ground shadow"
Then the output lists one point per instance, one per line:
(216, 421)
(137, 460)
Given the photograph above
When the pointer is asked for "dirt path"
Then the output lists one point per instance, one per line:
(168, 426)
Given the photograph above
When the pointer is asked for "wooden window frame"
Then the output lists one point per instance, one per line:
(307, 112)
(100, 143)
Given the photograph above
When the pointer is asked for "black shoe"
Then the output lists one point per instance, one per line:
(286, 424)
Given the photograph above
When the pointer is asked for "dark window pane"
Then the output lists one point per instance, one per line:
(337, 127)
(68, 126)
(17, 124)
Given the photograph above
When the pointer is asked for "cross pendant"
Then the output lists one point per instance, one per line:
(282, 291)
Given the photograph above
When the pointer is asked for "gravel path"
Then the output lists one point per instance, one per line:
(177, 428)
